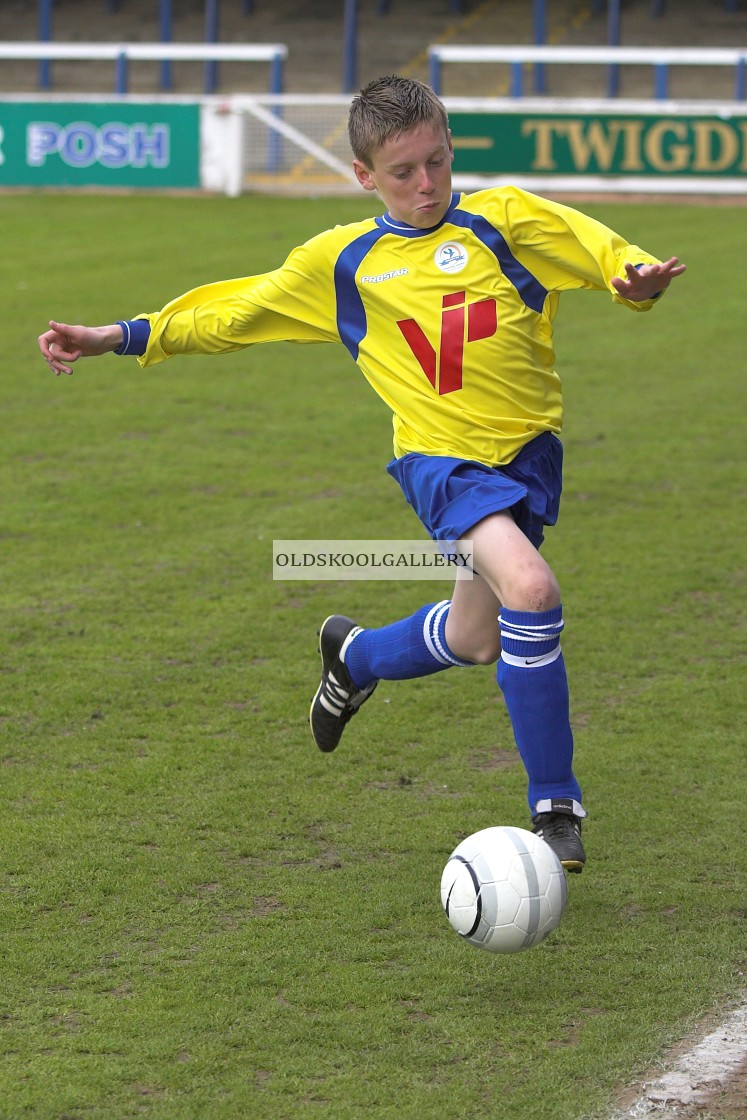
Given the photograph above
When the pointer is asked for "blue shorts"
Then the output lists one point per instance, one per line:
(450, 496)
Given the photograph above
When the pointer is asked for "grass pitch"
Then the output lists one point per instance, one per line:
(201, 916)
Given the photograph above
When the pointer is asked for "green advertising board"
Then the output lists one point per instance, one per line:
(599, 144)
(102, 143)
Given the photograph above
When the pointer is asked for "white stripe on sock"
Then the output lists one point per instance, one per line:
(531, 662)
(430, 633)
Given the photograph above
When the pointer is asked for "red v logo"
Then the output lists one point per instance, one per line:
(444, 369)
(421, 348)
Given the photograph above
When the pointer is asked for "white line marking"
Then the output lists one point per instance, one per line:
(697, 1075)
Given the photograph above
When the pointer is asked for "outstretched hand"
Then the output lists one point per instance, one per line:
(648, 280)
(63, 344)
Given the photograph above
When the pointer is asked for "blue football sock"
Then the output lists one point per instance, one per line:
(413, 647)
(532, 676)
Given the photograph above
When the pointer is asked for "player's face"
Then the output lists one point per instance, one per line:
(412, 174)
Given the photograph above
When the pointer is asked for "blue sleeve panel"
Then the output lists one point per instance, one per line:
(135, 335)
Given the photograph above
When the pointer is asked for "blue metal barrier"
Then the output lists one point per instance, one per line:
(661, 59)
(121, 54)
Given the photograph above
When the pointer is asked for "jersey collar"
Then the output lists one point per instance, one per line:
(402, 229)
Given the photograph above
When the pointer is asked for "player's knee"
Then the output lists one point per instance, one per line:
(533, 589)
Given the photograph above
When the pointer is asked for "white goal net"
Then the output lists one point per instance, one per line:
(295, 144)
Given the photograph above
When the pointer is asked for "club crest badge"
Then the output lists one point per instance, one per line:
(450, 256)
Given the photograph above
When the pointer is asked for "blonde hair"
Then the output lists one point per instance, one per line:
(387, 107)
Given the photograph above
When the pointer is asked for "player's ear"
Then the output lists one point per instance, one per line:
(451, 144)
(363, 175)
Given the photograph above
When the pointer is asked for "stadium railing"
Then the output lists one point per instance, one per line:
(121, 54)
(661, 59)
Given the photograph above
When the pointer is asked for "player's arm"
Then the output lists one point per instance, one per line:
(64, 344)
(568, 249)
(294, 303)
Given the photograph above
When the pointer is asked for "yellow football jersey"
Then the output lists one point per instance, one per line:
(452, 326)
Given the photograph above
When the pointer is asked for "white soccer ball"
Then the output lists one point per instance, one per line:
(503, 889)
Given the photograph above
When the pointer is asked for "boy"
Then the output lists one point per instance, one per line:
(447, 304)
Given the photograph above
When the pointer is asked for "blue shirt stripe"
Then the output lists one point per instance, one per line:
(351, 314)
(527, 285)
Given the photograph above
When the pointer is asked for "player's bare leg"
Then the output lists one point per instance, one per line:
(472, 629)
(516, 579)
